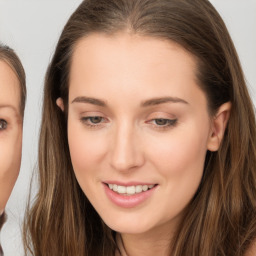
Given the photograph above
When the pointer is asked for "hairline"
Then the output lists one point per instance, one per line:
(22, 96)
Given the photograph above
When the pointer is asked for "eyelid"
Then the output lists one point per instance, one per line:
(161, 115)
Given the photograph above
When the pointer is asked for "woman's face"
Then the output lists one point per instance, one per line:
(10, 131)
(138, 129)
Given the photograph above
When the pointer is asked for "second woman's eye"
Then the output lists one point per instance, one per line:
(3, 124)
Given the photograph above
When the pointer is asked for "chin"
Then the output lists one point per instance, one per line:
(128, 229)
(129, 226)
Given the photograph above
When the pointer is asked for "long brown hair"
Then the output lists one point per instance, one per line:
(10, 58)
(220, 220)
(2, 221)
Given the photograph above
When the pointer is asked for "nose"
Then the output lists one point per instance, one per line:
(126, 151)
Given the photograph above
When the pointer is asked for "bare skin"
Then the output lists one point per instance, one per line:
(10, 132)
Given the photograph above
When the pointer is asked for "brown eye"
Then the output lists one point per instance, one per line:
(3, 124)
(161, 121)
(164, 122)
(95, 119)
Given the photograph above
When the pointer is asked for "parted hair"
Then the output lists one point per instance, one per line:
(220, 219)
(9, 56)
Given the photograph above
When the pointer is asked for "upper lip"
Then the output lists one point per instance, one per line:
(126, 184)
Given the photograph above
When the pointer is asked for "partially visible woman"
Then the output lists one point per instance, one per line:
(12, 104)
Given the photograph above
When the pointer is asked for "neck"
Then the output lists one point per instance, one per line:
(150, 243)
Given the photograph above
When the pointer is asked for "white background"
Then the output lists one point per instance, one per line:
(32, 28)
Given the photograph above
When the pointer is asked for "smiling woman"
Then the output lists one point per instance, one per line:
(147, 141)
(12, 103)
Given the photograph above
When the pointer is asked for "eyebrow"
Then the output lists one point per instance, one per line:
(162, 100)
(147, 103)
(93, 101)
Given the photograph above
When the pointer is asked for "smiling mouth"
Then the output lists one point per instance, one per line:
(129, 190)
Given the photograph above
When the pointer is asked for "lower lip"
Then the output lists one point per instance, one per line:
(128, 201)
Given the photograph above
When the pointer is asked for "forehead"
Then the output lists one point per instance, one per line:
(121, 48)
(127, 63)
(9, 87)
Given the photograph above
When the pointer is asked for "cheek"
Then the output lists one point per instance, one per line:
(182, 150)
(10, 159)
(184, 153)
(180, 161)
(86, 151)
(10, 154)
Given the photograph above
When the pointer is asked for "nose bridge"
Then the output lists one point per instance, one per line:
(126, 152)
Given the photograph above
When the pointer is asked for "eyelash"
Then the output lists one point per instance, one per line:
(3, 125)
(88, 121)
(168, 123)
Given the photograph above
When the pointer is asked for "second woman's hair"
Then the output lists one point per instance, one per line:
(2, 221)
(12, 60)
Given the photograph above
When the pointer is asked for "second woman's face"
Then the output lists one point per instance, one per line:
(10, 131)
(138, 129)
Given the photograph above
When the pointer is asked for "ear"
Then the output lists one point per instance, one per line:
(219, 124)
(60, 103)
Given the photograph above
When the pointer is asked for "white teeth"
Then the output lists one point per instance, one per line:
(138, 189)
(130, 190)
(144, 187)
(121, 189)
